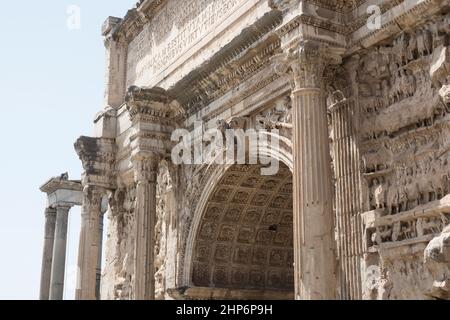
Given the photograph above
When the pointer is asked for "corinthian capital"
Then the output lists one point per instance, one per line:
(147, 103)
(92, 198)
(307, 65)
(306, 60)
(98, 159)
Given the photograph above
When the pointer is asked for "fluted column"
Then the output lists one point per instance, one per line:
(145, 177)
(47, 255)
(98, 276)
(59, 253)
(88, 251)
(348, 209)
(314, 243)
(153, 114)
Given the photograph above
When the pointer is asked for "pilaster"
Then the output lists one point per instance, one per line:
(314, 244)
(344, 115)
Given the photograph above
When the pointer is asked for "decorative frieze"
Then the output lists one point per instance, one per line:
(418, 225)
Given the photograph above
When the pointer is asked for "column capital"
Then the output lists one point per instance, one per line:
(306, 61)
(63, 206)
(151, 105)
(92, 198)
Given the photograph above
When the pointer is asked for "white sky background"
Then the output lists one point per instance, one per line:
(51, 87)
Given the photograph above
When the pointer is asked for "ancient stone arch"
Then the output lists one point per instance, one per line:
(362, 113)
(237, 230)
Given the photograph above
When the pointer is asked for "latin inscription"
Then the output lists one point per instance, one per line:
(179, 25)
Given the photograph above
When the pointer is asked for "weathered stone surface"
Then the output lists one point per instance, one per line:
(360, 206)
(437, 254)
(440, 64)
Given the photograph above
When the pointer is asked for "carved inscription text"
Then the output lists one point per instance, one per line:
(179, 25)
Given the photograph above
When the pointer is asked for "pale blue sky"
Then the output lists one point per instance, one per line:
(51, 85)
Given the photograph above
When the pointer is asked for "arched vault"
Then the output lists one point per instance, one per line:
(244, 239)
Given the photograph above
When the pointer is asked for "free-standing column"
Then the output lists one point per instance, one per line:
(47, 255)
(88, 251)
(313, 201)
(59, 253)
(144, 277)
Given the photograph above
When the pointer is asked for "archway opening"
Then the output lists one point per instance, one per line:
(244, 244)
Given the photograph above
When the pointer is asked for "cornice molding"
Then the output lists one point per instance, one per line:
(420, 11)
(154, 115)
(151, 104)
(224, 71)
(145, 166)
(60, 183)
(136, 18)
(340, 6)
(312, 21)
(231, 74)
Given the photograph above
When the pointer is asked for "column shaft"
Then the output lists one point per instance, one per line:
(59, 254)
(47, 255)
(144, 270)
(313, 201)
(144, 255)
(89, 243)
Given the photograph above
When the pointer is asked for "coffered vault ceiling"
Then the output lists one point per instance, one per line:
(245, 238)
